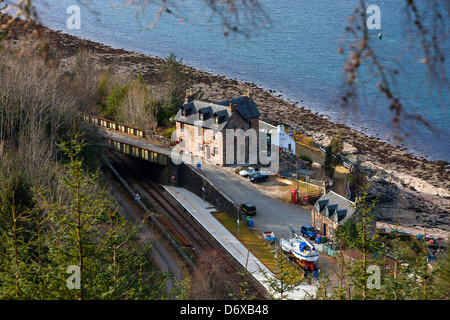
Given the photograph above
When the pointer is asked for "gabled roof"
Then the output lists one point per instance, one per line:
(245, 106)
(340, 215)
(208, 109)
(321, 204)
(207, 112)
(221, 113)
(266, 127)
(330, 209)
(334, 206)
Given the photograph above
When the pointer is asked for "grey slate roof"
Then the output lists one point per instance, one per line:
(208, 109)
(334, 206)
(244, 106)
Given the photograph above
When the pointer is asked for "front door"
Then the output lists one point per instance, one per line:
(324, 229)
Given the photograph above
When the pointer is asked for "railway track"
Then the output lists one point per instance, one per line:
(190, 234)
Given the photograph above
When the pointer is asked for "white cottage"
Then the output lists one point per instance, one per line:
(277, 136)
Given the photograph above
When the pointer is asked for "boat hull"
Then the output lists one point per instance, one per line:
(300, 248)
(305, 257)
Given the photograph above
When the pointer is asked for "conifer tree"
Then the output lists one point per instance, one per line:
(279, 287)
(81, 247)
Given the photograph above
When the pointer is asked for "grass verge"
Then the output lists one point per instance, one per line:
(255, 243)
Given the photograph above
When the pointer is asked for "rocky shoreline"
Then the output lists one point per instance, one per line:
(418, 188)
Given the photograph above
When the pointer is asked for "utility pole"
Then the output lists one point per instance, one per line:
(306, 181)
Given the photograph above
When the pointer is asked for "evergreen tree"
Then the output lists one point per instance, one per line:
(358, 234)
(82, 247)
(328, 164)
(443, 275)
(177, 80)
(279, 287)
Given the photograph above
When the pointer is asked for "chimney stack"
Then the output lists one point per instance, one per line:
(231, 107)
(188, 97)
(247, 93)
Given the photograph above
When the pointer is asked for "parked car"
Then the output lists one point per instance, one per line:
(246, 172)
(308, 231)
(258, 176)
(400, 232)
(248, 208)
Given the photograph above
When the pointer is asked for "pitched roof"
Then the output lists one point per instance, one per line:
(266, 127)
(244, 106)
(208, 109)
(334, 206)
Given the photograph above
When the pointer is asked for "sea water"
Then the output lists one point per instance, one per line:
(290, 48)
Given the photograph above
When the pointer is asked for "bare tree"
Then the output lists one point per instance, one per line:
(137, 108)
(244, 16)
(360, 51)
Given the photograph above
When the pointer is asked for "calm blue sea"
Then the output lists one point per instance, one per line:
(295, 55)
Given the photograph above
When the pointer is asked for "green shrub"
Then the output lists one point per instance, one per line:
(168, 132)
(114, 100)
(306, 158)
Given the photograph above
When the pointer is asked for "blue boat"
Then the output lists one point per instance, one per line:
(301, 248)
(269, 236)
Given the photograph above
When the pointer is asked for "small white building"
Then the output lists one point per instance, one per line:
(277, 136)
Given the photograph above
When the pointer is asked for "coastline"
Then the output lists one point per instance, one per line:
(422, 186)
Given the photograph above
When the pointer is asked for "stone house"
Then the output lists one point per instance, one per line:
(330, 211)
(202, 128)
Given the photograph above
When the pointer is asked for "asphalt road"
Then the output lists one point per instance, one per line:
(271, 214)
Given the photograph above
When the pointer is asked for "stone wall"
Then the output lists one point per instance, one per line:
(208, 139)
(192, 180)
(240, 146)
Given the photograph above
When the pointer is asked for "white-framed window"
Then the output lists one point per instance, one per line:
(216, 151)
(200, 147)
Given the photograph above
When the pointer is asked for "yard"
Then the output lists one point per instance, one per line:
(280, 188)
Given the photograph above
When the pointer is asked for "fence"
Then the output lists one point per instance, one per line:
(138, 152)
(109, 124)
(330, 249)
(345, 162)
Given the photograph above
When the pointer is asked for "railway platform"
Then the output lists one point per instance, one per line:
(201, 211)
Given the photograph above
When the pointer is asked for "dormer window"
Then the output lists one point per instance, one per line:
(200, 116)
(216, 119)
(183, 112)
